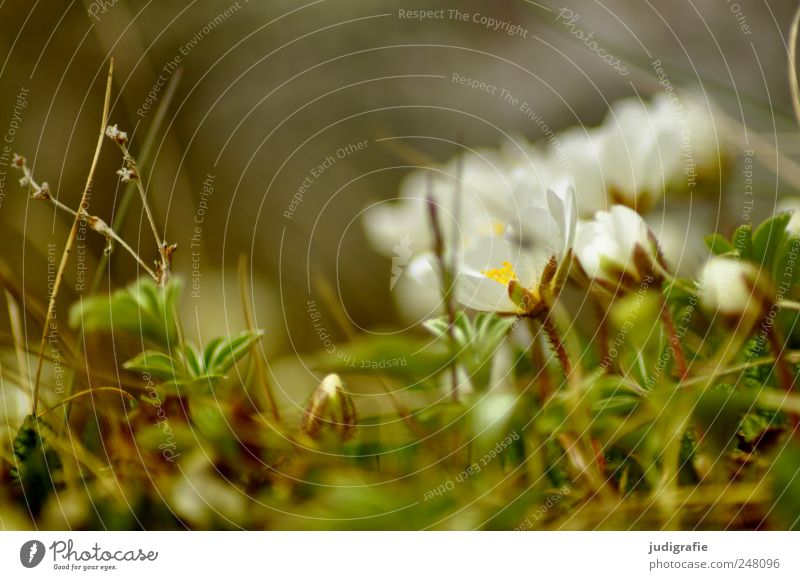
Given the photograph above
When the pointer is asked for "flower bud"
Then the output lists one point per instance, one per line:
(618, 250)
(732, 287)
(330, 406)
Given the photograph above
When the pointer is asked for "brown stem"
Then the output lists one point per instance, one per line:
(784, 372)
(674, 341)
(602, 328)
(558, 345)
(446, 281)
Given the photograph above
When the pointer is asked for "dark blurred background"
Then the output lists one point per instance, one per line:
(273, 88)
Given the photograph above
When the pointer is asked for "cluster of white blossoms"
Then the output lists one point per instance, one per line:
(510, 217)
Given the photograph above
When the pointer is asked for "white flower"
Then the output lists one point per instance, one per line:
(617, 248)
(662, 146)
(578, 154)
(113, 133)
(493, 188)
(126, 174)
(486, 186)
(729, 286)
(522, 272)
(641, 155)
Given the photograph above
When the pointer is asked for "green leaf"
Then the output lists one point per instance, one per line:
(395, 356)
(476, 341)
(768, 237)
(222, 353)
(786, 269)
(194, 360)
(718, 244)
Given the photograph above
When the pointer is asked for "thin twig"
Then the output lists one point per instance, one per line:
(72, 234)
(446, 280)
(108, 232)
(41, 192)
(784, 373)
(15, 317)
(131, 160)
(84, 393)
(144, 158)
(674, 341)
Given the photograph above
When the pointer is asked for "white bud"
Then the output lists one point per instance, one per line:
(730, 287)
(330, 407)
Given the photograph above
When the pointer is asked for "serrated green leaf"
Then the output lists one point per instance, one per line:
(140, 310)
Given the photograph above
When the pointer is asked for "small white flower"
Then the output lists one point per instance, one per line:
(24, 181)
(617, 248)
(730, 287)
(522, 272)
(126, 174)
(113, 133)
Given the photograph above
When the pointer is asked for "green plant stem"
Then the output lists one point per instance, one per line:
(255, 352)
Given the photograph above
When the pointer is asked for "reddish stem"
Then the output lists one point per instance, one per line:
(674, 341)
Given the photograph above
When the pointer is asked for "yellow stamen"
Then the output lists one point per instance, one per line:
(499, 228)
(504, 275)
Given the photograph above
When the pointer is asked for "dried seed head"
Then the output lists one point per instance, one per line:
(42, 192)
(113, 133)
(99, 226)
(330, 406)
